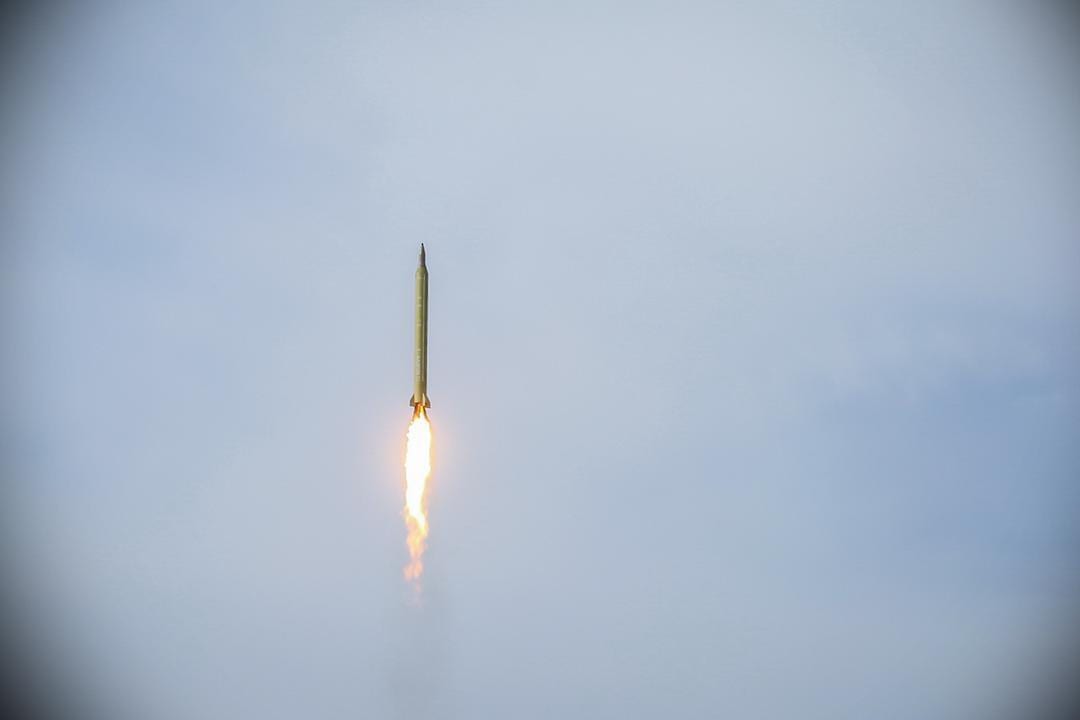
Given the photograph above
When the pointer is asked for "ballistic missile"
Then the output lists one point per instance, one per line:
(420, 399)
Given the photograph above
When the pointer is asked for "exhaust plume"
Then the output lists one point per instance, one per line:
(417, 472)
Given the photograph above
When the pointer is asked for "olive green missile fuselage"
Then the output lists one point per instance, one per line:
(420, 398)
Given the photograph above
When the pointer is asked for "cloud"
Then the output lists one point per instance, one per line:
(751, 363)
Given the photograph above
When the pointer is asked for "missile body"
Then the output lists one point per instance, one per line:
(420, 399)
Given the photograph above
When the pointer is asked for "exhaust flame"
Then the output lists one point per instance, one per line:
(417, 472)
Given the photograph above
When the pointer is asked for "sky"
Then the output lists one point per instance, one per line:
(753, 358)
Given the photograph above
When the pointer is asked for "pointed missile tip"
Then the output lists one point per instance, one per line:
(423, 257)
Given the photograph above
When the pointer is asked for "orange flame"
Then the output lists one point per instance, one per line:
(417, 472)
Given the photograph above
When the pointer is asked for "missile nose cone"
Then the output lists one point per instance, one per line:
(423, 256)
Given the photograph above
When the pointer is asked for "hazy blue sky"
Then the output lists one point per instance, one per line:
(754, 357)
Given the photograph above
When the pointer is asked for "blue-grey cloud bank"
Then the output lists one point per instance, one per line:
(753, 357)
